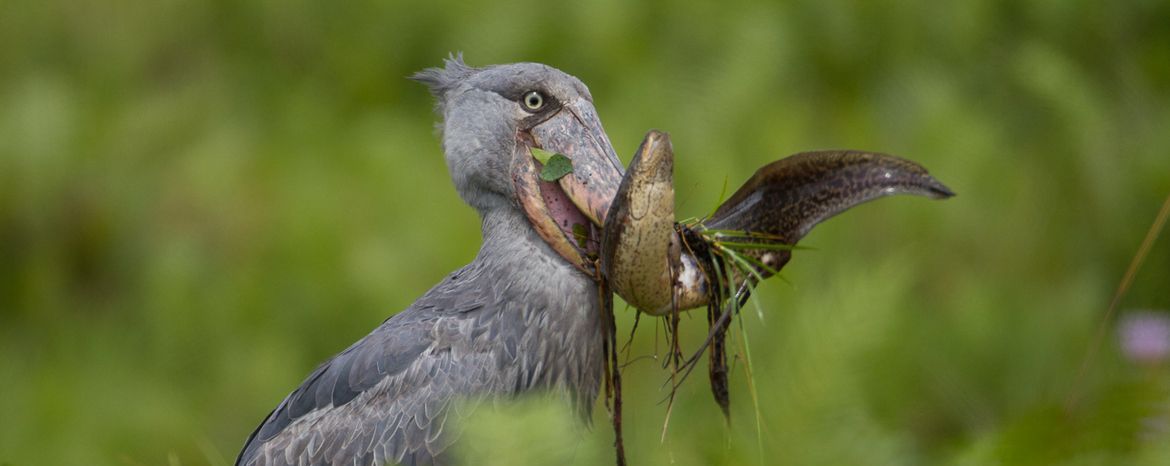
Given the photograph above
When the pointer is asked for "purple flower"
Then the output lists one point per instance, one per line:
(1145, 336)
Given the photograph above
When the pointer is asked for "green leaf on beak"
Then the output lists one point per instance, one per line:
(556, 168)
(541, 155)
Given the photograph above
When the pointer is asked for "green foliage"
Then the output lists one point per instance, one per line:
(201, 201)
(556, 168)
(541, 155)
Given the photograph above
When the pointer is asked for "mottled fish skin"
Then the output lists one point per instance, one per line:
(787, 198)
(637, 253)
(784, 200)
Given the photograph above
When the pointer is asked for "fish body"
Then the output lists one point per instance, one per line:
(650, 261)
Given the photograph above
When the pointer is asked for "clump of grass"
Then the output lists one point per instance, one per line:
(728, 259)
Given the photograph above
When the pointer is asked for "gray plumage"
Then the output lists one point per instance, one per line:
(517, 318)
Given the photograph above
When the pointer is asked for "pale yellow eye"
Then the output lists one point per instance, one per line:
(533, 100)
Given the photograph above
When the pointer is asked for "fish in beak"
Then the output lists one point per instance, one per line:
(568, 213)
(641, 252)
(657, 266)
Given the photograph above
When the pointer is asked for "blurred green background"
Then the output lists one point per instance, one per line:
(201, 201)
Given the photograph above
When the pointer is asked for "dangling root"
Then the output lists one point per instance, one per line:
(613, 371)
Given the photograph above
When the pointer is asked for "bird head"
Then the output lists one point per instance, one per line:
(492, 119)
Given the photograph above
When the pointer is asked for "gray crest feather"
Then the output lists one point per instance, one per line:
(441, 80)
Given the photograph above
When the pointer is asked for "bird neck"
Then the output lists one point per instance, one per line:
(550, 308)
(509, 238)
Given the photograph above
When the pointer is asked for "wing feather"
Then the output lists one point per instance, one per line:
(387, 396)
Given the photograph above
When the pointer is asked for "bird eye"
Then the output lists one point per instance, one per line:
(533, 100)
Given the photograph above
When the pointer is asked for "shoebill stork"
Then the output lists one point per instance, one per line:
(526, 314)
(523, 315)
